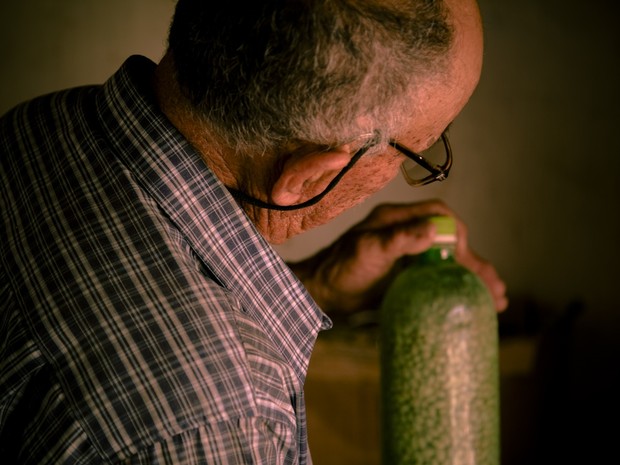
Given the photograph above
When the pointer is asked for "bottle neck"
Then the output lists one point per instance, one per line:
(438, 253)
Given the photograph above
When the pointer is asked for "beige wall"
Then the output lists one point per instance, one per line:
(49, 44)
(536, 174)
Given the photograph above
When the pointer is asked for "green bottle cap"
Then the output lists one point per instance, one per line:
(445, 229)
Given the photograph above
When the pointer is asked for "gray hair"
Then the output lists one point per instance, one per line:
(264, 73)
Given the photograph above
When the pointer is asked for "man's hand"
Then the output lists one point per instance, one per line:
(352, 274)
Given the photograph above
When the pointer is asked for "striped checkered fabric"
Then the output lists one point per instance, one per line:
(142, 317)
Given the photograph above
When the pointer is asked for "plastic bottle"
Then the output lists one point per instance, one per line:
(439, 363)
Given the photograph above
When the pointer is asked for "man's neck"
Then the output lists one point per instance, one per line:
(176, 108)
(252, 175)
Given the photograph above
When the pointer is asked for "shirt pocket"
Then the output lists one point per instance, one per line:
(277, 389)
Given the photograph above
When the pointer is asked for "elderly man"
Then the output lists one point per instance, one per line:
(145, 317)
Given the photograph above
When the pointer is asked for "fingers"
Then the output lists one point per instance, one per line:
(360, 262)
(395, 242)
(403, 230)
(412, 239)
(387, 215)
(496, 287)
(488, 274)
(400, 229)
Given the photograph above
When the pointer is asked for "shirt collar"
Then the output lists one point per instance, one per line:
(175, 175)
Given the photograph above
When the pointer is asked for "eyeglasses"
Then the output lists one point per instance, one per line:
(418, 171)
(433, 165)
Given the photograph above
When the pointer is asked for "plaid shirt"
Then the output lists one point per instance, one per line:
(142, 317)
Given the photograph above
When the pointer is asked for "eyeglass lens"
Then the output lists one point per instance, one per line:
(436, 155)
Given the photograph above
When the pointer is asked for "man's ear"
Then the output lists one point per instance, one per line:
(307, 175)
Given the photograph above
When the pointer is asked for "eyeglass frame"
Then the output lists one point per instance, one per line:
(438, 173)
